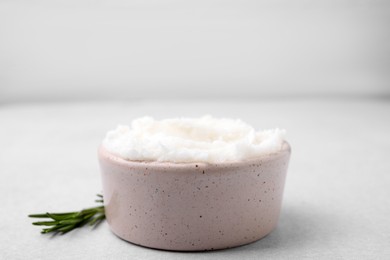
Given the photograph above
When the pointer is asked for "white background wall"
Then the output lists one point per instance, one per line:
(65, 50)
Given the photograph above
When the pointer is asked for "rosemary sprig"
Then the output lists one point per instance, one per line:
(65, 222)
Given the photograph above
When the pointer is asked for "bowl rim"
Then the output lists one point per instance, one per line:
(103, 154)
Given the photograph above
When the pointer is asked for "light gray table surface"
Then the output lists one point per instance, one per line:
(336, 201)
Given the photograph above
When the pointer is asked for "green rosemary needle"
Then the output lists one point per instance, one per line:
(65, 222)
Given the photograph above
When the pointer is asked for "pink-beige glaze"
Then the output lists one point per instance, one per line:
(193, 206)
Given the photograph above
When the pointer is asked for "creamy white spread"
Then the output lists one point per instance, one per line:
(205, 139)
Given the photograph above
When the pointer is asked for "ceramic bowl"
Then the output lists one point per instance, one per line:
(193, 206)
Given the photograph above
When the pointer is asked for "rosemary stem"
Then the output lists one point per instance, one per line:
(68, 221)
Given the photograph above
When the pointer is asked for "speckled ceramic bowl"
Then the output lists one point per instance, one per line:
(193, 206)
